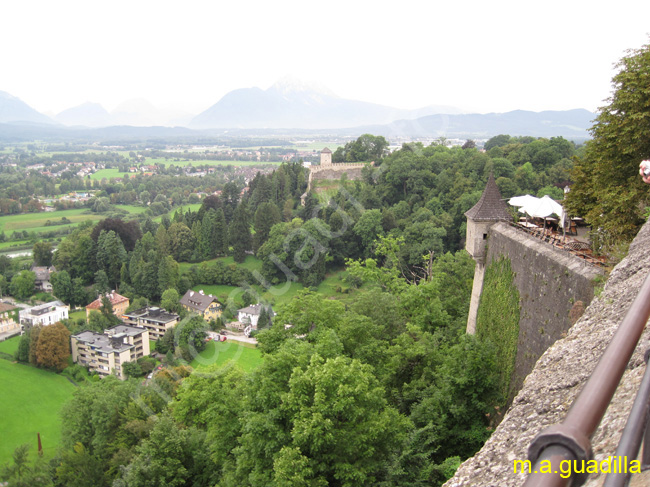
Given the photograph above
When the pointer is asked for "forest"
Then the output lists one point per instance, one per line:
(384, 390)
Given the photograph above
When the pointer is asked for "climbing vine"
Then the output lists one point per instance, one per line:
(498, 318)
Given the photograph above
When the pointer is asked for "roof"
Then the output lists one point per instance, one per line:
(112, 296)
(197, 300)
(159, 315)
(41, 309)
(42, 272)
(254, 309)
(6, 307)
(490, 206)
(326, 151)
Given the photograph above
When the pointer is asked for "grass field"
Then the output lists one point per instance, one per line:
(31, 401)
(108, 174)
(183, 163)
(35, 222)
(251, 263)
(245, 355)
(10, 346)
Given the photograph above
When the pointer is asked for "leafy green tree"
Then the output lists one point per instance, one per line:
(170, 300)
(42, 252)
(20, 473)
(78, 468)
(608, 191)
(168, 274)
(22, 285)
(181, 242)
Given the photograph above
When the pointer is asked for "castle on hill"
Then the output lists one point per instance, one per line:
(330, 171)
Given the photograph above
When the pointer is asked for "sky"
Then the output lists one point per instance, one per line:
(480, 56)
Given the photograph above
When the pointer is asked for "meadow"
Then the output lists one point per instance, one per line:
(247, 356)
(36, 222)
(32, 399)
(196, 163)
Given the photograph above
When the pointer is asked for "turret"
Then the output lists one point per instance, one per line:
(489, 210)
(326, 157)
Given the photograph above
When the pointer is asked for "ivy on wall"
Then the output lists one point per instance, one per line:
(498, 318)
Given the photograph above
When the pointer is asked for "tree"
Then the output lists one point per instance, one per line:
(42, 252)
(111, 254)
(608, 191)
(22, 285)
(168, 274)
(53, 348)
(266, 216)
(239, 234)
(22, 474)
(170, 300)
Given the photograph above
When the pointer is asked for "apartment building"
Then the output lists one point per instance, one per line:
(44, 314)
(106, 352)
(156, 320)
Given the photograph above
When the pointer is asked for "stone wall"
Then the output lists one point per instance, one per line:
(335, 171)
(558, 376)
(550, 281)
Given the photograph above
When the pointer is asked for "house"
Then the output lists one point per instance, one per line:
(43, 273)
(118, 302)
(156, 320)
(9, 321)
(204, 304)
(44, 314)
(106, 352)
(250, 315)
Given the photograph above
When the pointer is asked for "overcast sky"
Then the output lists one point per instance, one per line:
(483, 56)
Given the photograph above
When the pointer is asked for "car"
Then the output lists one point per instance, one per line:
(223, 338)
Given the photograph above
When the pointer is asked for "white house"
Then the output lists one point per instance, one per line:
(44, 314)
(250, 315)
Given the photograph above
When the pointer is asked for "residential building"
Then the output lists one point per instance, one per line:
(9, 321)
(118, 302)
(105, 353)
(44, 314)
(156, 320)
(250, 315)
(204, 304)
(42, 282)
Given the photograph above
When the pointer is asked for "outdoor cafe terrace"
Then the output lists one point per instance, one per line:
(543, 220)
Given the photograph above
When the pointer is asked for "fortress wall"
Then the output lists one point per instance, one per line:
(561, 372)
(550, 281)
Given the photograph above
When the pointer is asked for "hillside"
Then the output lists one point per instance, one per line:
(14, 110)
(559, 376)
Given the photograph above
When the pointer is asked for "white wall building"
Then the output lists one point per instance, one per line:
(44, 314)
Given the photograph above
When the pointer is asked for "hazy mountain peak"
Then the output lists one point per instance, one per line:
(13, 109)
(290, 84)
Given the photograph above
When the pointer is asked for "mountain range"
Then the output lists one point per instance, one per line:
(290, 106)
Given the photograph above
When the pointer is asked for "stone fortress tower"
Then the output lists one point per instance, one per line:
(326, 157)
(489, 210)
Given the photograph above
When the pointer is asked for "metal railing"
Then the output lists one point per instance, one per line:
(571, 439)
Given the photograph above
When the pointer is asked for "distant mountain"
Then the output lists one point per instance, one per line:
(14, 110)
(139, 112)
(85, 115)
(572, 124)
(292, 104)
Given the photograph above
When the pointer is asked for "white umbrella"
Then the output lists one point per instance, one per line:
(524, 200)
(544, 207)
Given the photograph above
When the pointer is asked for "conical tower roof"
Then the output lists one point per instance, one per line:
(490, 207)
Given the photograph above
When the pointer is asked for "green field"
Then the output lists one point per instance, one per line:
(245, 355)
(251, 263)
(182, 163)
(108, 174)
(31, 401)
(10, 346)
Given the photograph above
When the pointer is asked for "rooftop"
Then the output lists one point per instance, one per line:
(490, 207)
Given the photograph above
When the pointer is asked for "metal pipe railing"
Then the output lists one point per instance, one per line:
(633, 433)
(575, 432)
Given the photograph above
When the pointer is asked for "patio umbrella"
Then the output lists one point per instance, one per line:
(522, 200)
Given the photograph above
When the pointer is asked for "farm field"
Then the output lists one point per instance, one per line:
(32, 399)
(245, 355)
(183, 163)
